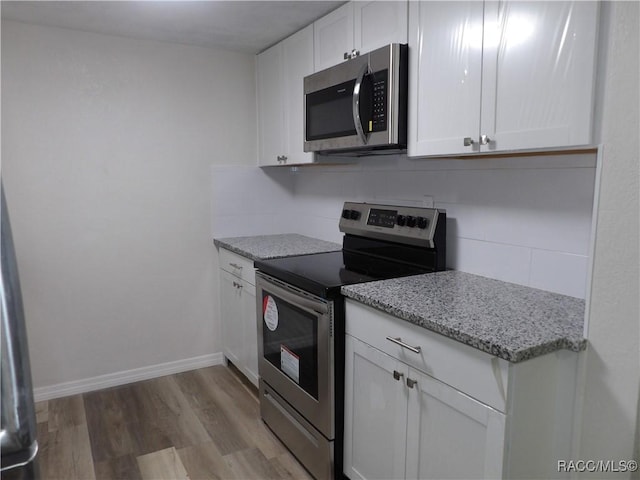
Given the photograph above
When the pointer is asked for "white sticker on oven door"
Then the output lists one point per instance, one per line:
(270, 312)
(290, 363)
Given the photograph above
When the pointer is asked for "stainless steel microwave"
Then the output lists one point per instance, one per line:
(358, 105)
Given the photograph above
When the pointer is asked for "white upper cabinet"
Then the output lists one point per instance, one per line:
(270, 105)
(358, 27)
(298, 63)
(445, 67)
(333, 37)
(280, 73)
(500, 76)
(379, 23)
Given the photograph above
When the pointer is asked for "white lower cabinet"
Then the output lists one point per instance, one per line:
(238, 313)
(449, 410)
(375, 413)
(439, 417)
(405, 424)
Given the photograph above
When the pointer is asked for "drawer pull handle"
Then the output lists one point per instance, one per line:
(411, 382)
(235, 265)
(397, 375)
(398, 341)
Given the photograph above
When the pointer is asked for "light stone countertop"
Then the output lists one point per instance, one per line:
(265, 247)
(509, 321)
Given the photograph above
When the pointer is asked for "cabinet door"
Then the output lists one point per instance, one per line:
(375, 413)
(231, 318)
(249, 332)
(538, 74)
(451, 435)
(270, 106)
(333, 37)
(379, 23)
(445, 68)
(298, 63)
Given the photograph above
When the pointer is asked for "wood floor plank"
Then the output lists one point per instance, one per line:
(250, 464)
(42, 411)
(68, 455)
(222, 431)
(288, 467)
(204, 462)
(109, 433)
(162, 465)
(119, 468)
(241, 408)
(66, 412)
(114, 416)
(182, 424)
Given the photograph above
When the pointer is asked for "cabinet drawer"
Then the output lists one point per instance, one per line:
(475, 373)
(237, 265)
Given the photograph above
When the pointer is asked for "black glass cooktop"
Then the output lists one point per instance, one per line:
(323, 274)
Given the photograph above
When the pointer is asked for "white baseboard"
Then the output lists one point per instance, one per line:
(128, 376)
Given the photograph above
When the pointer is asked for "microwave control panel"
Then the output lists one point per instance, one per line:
(378, 122)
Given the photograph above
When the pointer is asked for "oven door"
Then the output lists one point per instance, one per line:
(296, 349)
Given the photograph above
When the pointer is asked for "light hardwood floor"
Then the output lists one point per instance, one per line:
(202, 424)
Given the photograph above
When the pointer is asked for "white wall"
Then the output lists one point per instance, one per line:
(107, 145)
(609, 420)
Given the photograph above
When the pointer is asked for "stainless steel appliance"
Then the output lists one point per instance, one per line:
(358, 105)
(300, 316)
(19, 445)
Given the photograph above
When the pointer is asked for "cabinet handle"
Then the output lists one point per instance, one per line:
(235, 265)
(484, 140)
(354, 53)
(237, 285)
(468, 141)
(397, 375)
(411, 382)
(398, 341)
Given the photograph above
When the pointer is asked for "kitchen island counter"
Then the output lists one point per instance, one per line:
(509, 321)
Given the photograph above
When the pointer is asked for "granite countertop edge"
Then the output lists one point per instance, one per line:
(491, 346)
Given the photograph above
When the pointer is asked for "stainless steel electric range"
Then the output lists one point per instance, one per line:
(300, 316)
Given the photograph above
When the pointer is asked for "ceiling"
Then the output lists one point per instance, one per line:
(246, 26)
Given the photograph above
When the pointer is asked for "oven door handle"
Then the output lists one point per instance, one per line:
(296, 297)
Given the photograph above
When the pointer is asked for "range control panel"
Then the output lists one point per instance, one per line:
(410, 225)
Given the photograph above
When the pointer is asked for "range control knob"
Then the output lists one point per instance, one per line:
(346, 214)
(401, 220)
(411, 221)
(422, 222)
(354, 215)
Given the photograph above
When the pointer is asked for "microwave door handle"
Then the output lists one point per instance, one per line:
(356, 102)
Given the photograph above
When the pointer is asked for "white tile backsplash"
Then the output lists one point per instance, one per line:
(525, 220)
(509, 263)
(559, 272)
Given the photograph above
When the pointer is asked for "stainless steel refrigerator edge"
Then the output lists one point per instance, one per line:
(18, 442)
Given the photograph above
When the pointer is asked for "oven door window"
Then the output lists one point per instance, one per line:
(290, 341)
